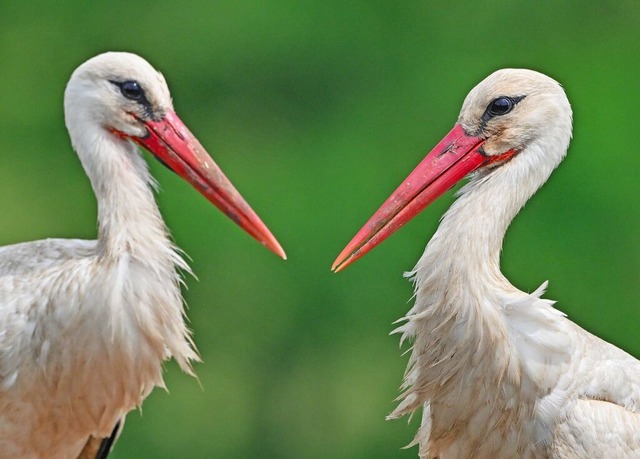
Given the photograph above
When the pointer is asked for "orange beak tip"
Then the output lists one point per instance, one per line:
(272, 244)
(341, 262)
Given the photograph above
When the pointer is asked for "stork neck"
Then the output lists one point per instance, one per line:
(469, 239)
(128, 216)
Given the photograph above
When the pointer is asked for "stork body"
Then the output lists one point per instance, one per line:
(500, 373)
(86, 325)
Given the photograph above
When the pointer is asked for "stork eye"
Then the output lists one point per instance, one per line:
(131, 90)
(501, 106)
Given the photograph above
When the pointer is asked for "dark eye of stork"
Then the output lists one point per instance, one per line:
(501, 106)
(131, 90)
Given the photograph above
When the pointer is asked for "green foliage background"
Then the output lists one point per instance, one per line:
(317, 110)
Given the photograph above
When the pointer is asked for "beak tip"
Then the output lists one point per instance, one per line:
(274, 246)
(349, 254)
(340, 263)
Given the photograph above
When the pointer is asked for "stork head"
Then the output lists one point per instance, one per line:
(512, 108)
(123, 96)
(512, 115)
(118, 91)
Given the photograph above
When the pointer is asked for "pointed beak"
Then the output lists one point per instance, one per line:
(452, 159)
(171, 142)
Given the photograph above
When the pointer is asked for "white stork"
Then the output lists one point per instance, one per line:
(500, 373)
(86, 325)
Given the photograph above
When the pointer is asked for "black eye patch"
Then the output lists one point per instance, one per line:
(501, 106)
(498, 107)
(132, 90)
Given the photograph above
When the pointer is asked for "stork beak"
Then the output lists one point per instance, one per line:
(452, 159)
(172, 142)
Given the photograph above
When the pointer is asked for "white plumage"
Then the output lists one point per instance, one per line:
(86, 325)
(500, 373)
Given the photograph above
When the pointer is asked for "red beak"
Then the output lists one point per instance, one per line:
(171, 141)
(452, 159)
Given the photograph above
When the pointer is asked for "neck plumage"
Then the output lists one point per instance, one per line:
(464, 253)
(128, 216)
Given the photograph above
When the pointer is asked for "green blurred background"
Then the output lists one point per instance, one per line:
(317, 110)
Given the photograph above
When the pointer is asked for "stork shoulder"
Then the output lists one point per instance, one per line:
(21, 258)
(541, 335)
